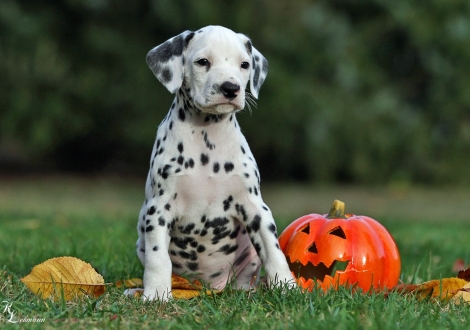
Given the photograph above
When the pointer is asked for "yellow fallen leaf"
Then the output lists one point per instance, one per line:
(462, 295)
(69, 276)
(442, 289)
(181, 288)
(130, 283)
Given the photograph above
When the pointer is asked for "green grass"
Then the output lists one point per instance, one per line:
(95, 219)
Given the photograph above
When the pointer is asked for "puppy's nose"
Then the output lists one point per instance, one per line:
(229, 90)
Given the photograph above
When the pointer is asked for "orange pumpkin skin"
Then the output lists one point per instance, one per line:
(314, 243)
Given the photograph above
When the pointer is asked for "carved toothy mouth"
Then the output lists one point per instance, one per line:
(318, 272)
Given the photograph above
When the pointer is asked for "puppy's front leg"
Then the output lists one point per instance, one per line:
(263, 234)
(158, 267)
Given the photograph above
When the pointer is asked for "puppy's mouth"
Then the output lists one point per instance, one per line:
(220, 108)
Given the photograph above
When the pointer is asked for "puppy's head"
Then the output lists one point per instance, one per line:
(215, 63)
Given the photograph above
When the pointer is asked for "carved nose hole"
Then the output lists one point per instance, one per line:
(313, 248)
(338, 231)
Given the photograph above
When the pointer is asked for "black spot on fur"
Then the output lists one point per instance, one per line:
(257, 247)
(149, 229)
(217, 222)
(179, 242)
(227, 202)
(167, 207)
(204, 159)
(176, 265)
(206, 140)
(180, 160)
(249, 47)
(165, 171)
(151, 210)
(272, 228)
(166, 75)
(216, 167)
(243, 149)
(228, 166)
(187, 230)
(241, 211)
(188, 39)
(257, 68)
(186, 255)
(181, 114)
(161, 221)
(227, 249)
(155, 248)
(255, 224)
(265, 65)
(235, 232)
(203, 232)
(180, 147)
(192, 266)
(201, 248)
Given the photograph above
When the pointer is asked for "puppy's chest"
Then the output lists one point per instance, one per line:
(201, 166)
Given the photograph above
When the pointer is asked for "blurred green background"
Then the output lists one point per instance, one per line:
(361, 92)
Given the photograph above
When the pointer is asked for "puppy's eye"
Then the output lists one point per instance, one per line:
(245, 65)
(203, 62)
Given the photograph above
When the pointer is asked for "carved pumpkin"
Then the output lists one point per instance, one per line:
(316, 244)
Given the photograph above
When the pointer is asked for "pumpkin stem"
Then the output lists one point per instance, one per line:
(337, 210)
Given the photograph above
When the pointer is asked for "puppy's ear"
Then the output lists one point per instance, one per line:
(259, 66)
(167, 60)
(259, 71)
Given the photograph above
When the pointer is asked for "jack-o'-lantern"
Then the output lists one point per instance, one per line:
(340, 249)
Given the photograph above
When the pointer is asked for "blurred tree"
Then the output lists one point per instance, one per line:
(366, 92)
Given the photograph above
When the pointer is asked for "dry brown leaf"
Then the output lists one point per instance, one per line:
(181, 288)
(464, 274)
(64, 276)
(439, 289)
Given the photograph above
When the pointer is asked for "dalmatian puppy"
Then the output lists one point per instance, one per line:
(203, 216)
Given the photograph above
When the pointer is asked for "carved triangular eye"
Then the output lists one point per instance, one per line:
(306, 229)
(338, 231)
(313, 248)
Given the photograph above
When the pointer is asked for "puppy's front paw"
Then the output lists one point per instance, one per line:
(285, 280)
(162, 295)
